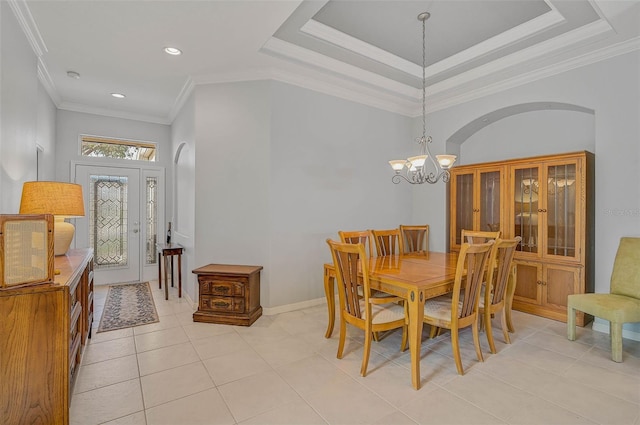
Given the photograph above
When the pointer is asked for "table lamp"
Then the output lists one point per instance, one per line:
(63, 200)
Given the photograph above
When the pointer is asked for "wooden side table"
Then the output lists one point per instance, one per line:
(164, 251)
(228, 294)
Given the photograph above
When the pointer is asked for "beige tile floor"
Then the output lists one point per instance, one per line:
(282, 370)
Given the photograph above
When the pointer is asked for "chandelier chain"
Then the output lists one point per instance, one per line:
(414, 169)
(424, 79)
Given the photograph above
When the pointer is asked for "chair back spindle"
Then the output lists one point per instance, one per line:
(414, 238)
(387, 242)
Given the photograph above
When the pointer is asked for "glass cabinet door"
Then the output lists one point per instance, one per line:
(464, 208)
(561, 201)
(526, 185)
(490, 207)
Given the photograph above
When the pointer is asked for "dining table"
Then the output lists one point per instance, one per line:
(415, 277)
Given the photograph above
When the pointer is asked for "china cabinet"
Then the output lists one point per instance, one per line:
(547, 201)
(477, 200)
(552, 210)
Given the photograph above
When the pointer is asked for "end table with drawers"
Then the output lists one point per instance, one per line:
(228, 294)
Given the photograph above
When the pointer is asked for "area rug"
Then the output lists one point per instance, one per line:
(128, 305)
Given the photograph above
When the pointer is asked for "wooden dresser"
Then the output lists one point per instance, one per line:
(43, 331)
(228, 294)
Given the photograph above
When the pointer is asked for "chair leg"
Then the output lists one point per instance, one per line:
(405, 338)
(509, 320)
(434, 331)
(489, 331)
(455, 347)
(571, 323)
(505, 330)
(343, 335)
(615, 329)
(376, 337)
(365, 354)
(476, 339)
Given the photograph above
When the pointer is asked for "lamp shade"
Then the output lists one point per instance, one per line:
(63, 200)
(57, 198)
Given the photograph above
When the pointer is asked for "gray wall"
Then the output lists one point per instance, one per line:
(18, 111)
(610, 88)
(182, 210)
(280, 169)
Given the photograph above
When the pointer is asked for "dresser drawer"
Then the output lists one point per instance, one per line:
(221, 287)
(222, 304)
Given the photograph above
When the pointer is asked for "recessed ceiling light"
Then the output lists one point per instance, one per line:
(73, 74)
(118, 95)
(173, 51)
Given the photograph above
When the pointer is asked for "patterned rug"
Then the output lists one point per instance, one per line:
(128, 305)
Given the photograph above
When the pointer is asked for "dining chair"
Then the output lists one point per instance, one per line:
(493, 299)
(473, 236)
(358, 236)
(622, 303)
(365, 312)
(460, 309)
(414, 238)
(387, 242)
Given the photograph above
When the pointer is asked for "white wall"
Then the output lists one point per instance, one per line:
(610, 88)
(183, 185)
(18, 111)
(280, 169)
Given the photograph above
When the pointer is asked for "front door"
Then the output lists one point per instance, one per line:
(111, 225)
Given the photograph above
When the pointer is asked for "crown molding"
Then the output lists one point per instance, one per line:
(321, 62)
(604, 53)
(349, 91)
(182, 97)
(344, 41)
(47, 82)
(78, 107)
(514, 35)
(28, 25)
(556, 45)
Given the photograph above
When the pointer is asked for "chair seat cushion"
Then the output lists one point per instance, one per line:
(611, 307)
(439, 307)
(383, 313)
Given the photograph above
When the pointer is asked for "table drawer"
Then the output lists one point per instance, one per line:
(219, 287)
(222, 304)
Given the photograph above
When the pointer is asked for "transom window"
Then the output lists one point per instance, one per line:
(101, 147)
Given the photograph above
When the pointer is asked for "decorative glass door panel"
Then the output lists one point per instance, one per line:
(526, 186)
(151, 220)
(464, 204)
(490, 208)
(112, 222)
(108, 221)
(561, 210)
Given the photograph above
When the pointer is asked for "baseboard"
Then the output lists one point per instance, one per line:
(190, 300)
(603, 326)
(292, 307)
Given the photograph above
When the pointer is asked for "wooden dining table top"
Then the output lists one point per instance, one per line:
(414, 270)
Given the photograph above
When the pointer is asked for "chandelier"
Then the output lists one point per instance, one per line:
(415, 167)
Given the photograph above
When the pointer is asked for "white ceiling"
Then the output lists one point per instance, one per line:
(367, 51)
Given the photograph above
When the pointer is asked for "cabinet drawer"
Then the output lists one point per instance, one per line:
(222, 304)
(220, 287)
